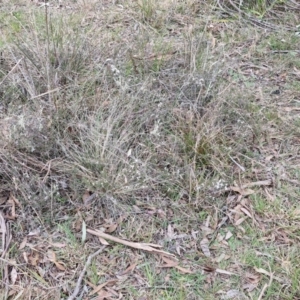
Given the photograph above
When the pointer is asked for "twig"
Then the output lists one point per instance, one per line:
(11, 70)
(88, 262)
(262, 291)
(267, 285)
(257, 183)
(241, 167)
(142, 246)
(46, 93)
(285, 51)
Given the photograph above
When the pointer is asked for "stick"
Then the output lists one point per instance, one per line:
(88, 262)
(142, 246)
(267, 285)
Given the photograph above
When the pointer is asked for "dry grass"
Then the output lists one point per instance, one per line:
(161, 122)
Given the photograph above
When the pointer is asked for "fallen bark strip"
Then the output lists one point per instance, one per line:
(142, 246)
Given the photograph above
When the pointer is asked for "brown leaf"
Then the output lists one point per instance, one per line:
(88, 197)
(169, 263)
(249, 287)
(233, 294)
(25, 256)
(3, 230)
(289, 109)
(16, 200)
(52, 257)
(34, 258)
(170, 233)
(224, 272)
(90, 284)
(3, 200)
(262, 271)
(103, 241)
(59, 266)
(246, 212)
(23, 243)
(35, 232)
(183, 270)
(110, 290)
(162, 214)
(222, 257)
(254, 278)
(269, 195)
(136, 209)
(240, 221)
(112, 228)
(77, 223)
(151, 212)
(58, 245)
(237, 212)
(13, 275)
(206, 230)
(257, 183)
(13, 292)
(102, 294)
(85, 196)
(209, 269)
(121, 219)
(101, 286)
(178, 247)
(13, 207)
(129, 269)
(204, 244)
(269, 158)
(228, 235)
(41, 271)
(242, 191)
(194, 234)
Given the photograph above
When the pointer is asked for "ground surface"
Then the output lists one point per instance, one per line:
(164, 134)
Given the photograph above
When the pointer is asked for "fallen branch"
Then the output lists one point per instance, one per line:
(142, 246)
(88, 262)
